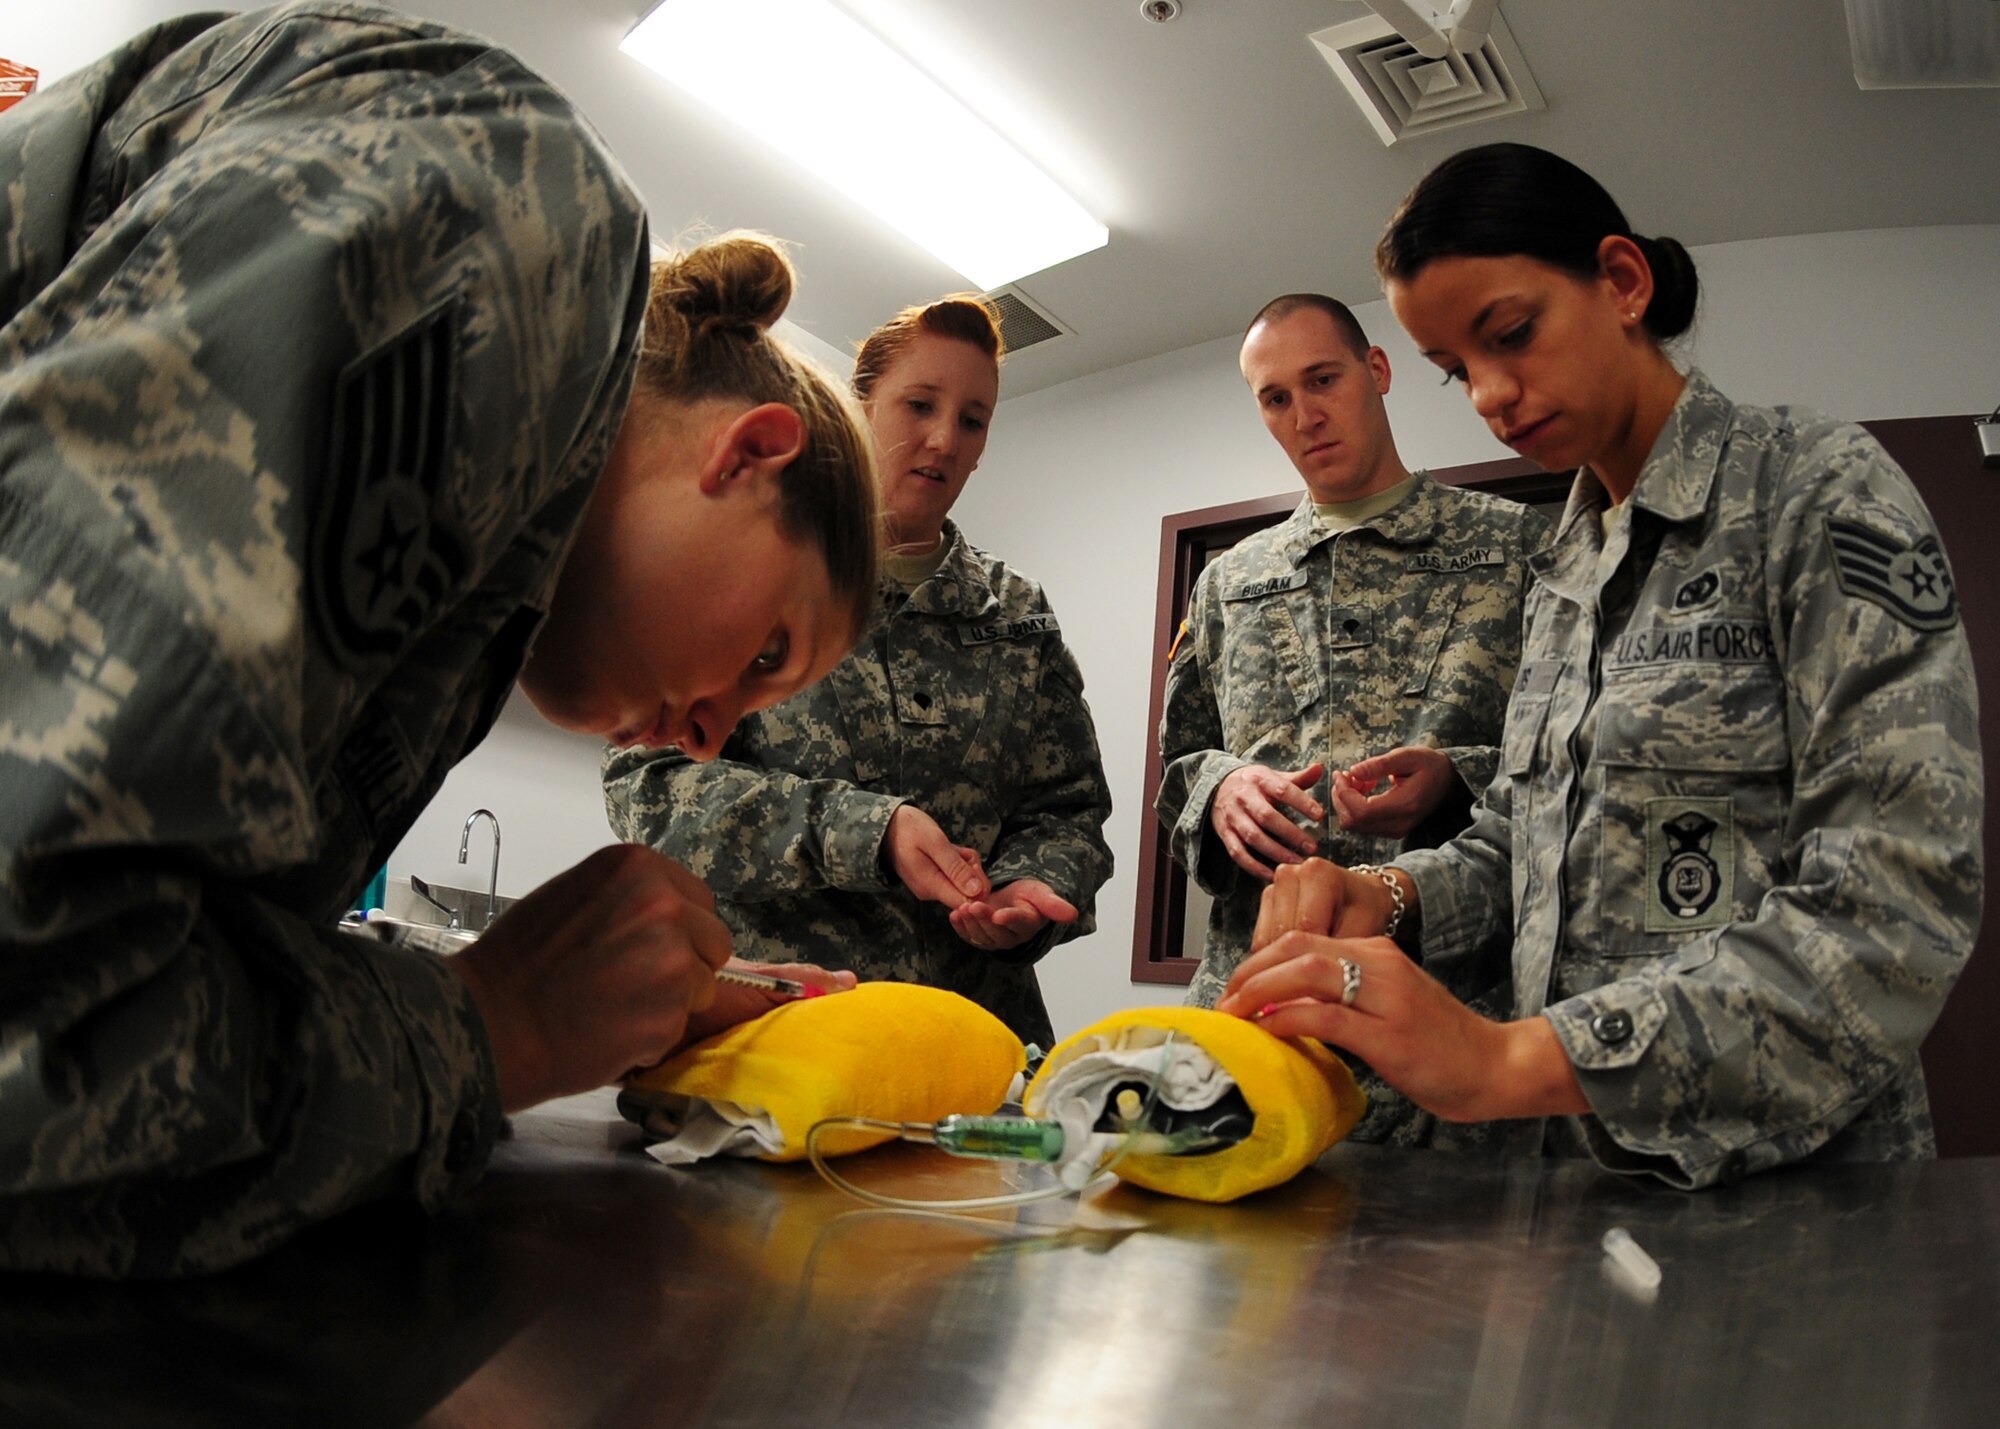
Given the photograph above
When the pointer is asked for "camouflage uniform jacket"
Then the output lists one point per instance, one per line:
(963, 700)
(1305, 645)
(316, 326)
(1737, 819)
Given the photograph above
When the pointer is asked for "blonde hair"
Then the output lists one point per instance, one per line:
(968, 317)
(708, 319)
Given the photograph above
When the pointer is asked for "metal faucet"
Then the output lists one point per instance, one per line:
(493, 883)
(423, 891)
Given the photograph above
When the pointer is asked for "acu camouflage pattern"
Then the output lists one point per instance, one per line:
(961, 699)
(1738, 816)
(316, 326)
(1303, 645)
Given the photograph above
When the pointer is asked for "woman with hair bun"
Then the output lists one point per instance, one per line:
(1736, 824)
(337, 390)
(933, 812)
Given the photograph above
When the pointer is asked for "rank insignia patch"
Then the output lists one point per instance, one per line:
(1690, 862)
(1912, 583)
(381, 561)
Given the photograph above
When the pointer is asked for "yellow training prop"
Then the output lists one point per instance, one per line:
(889, 1050)
(1302, 1099)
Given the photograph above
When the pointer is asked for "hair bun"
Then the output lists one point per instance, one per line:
(738, 280)
(1675, 287)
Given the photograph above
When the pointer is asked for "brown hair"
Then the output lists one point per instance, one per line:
(968, 317)
(1342, 316)
(708, 319)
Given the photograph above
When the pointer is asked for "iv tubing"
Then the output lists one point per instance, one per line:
(981, 1203)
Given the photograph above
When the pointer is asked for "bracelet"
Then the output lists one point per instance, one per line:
(1395, 895)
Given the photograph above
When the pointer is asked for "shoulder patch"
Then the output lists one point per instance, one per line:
(380, 562)
(987, 633)
(1912, 583)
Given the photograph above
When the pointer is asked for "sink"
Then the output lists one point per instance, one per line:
(404, 902)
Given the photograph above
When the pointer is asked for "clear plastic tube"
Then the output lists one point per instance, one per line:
(1030, 1143)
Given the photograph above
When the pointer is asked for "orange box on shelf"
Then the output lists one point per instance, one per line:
(17, 82)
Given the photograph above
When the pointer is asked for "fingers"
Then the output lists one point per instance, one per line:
(967, 874)
(1287, 791)
(1321, 887)
(1307, 777)
(1252, 816)
(1277, 910)
(1276, 840)
(1296, 966)
(992, 929)
(827, 979)
(595, 972)
(948, 874)
(1350, 800)
(1046, 902)
(1016, 912)
(929, 864)
(1378, 767)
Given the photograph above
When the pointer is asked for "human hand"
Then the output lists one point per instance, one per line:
(1420, 778)
(1249, 815)
(1013, 914)
(596, 972)
(1423, 1041)
(734, 1004)
(1321, 897)
(930, 865)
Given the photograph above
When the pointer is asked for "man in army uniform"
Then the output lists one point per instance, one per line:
(1374, 633)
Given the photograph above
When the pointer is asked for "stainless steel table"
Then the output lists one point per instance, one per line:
(586, 1285)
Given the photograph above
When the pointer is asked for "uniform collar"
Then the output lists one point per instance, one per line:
(1679, 475)
(1676, 484)
(958, 587)
(1411, 521)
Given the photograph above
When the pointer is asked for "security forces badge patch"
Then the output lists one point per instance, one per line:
(381, 560)
(1912, 583)
(1690, 864)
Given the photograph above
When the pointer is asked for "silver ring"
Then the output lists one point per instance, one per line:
(1350, 982)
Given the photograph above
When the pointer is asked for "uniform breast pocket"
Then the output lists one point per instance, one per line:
(1269, 679)
(1696, 770)
(1000, 681)
(1527, 712)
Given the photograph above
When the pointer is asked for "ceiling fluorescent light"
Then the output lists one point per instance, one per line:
(1924, 44)
(790, 70)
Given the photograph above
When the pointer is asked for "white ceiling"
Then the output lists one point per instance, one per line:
(1231, 166)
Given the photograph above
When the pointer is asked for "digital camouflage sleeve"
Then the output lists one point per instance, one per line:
(1737, 824)
(316, 325)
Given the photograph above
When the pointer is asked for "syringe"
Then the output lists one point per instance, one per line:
(1020, 1138)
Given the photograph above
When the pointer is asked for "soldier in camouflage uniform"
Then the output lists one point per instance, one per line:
(1379, 623)
(933, 812)
(1736, 828)
(318, 328)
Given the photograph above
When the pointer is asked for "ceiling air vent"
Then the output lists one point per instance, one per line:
(1403, 94)
(1022, 323)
